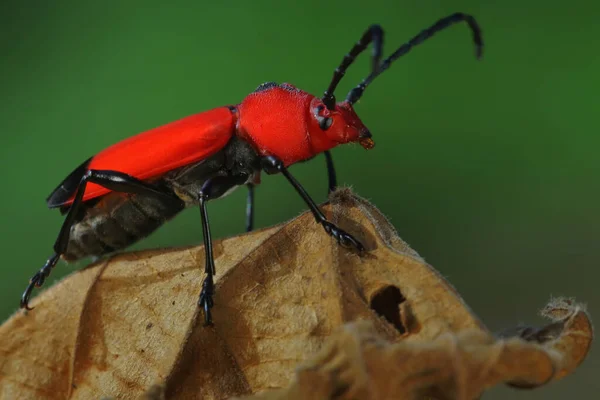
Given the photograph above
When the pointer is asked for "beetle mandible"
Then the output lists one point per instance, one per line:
(128, 190)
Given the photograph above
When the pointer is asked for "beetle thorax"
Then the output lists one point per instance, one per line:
(293, 125)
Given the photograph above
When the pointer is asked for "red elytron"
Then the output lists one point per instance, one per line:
(168, 147)
(128, 190)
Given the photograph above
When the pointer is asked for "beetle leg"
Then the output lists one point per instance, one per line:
(250, 208)
(331, 177)
(113, 180)
(273, 165)
(206, 295)
(213, 188)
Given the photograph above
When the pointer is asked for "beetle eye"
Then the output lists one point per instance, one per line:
(324, 122)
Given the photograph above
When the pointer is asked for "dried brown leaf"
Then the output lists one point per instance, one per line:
(128, 327)
(358, 364)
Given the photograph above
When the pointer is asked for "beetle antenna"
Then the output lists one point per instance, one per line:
(375, 35)
(355, 94)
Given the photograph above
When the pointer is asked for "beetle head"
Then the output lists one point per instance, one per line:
(339, 125)
(349, 127)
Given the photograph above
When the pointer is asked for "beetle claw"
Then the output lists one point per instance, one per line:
(27, 293)
(345, 239)
(38, 280)
(349, 241)
(206, 301)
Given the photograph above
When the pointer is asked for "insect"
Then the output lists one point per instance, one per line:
(128, 190)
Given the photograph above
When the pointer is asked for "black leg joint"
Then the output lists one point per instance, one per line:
(272, 165)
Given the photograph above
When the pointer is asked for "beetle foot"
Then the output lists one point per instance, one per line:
(343, 238)
(206, 299)
(37, 280)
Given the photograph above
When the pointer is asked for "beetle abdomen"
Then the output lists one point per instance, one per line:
(116, 222)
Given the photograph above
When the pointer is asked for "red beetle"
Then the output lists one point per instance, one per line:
(128, 190)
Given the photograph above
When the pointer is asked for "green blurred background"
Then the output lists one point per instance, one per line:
(488, 169)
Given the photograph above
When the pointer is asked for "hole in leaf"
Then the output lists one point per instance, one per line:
(386, 302)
